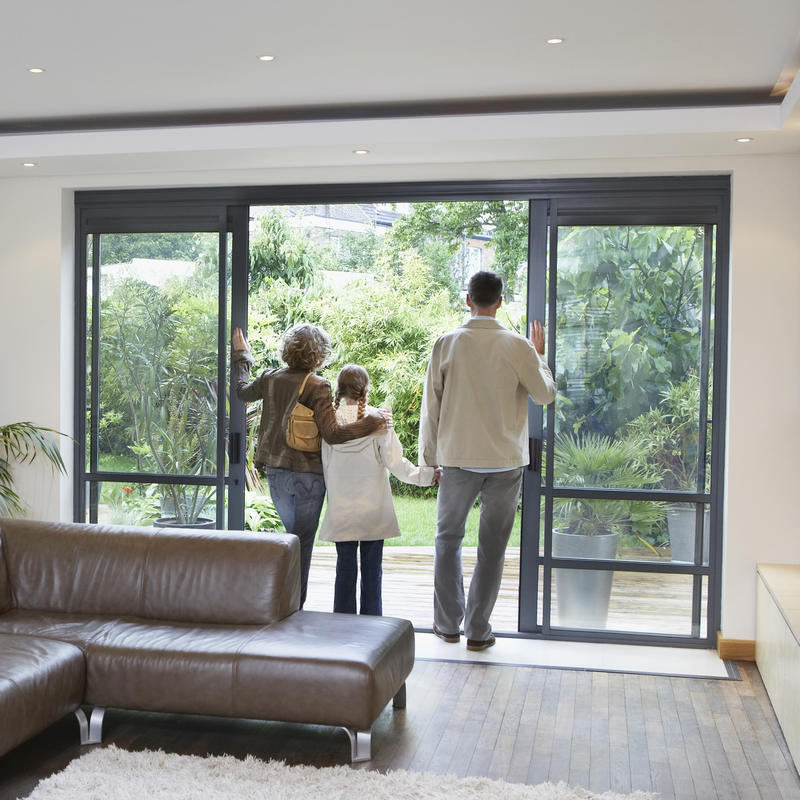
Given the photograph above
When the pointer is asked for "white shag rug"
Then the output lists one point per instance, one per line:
(110, 773)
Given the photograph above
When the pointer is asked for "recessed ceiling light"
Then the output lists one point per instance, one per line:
(28, 163)
(266, 58)
(744, 139)
(360, 152)
(555, 40)
(36, 70)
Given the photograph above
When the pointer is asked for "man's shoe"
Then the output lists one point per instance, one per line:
(450, 638)
(480, 644)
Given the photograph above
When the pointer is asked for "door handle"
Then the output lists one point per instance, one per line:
(235, 447)
(535, 455)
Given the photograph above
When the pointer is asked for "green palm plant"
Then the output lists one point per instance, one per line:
(22, 442)
(596, 461)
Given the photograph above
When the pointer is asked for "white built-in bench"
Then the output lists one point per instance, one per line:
(778, 645)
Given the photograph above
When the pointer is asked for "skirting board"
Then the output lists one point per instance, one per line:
(736, 649)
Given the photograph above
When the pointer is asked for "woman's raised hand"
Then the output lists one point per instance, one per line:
(239, 342)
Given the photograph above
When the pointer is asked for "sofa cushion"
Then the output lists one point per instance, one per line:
(40, 681)
(166, 666)
(323, 668)
(75, 629)
(197, 576)
(59, 566)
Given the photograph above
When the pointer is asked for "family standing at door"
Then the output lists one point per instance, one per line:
(473, 439)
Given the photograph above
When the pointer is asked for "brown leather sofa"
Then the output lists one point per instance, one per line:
(202, 622)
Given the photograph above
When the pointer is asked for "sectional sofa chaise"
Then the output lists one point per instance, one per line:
(196, 622)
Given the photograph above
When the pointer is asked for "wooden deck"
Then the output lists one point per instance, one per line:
(640, 602)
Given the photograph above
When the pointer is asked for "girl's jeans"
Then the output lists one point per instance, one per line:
(344, 595)
(297, 497)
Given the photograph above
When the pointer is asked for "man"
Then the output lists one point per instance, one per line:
(474, 423)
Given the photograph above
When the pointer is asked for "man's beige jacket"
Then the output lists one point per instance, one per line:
(475, 401)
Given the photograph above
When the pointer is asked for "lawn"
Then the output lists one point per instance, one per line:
(417, 518)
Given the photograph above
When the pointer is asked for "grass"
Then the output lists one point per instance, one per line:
(417, 518)
(416, 515)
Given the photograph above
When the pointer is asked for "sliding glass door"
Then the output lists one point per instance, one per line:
(620, 506)
(619, 537)
(154, 351)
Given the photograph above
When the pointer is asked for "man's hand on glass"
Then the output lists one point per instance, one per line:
(536, 335)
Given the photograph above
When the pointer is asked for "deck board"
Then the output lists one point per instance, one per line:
(640, 602)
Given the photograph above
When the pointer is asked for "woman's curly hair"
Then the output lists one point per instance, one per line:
(305, 346)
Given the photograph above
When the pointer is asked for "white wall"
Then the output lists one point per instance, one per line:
(763, 470)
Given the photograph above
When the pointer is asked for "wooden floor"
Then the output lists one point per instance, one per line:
(681, 737)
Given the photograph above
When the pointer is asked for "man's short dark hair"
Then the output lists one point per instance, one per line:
(485, 288)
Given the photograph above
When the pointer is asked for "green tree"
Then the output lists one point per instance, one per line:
(453, 222)
(277, 251)
(628, 320)
(122, 248)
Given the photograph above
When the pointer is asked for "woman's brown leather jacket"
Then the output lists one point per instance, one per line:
(278, 389)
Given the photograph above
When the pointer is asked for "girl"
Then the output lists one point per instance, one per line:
(360, 511)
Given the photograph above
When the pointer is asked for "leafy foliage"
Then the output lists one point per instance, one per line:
(158, 380)
(260, 513)
(595, 461)
(122, 248)
(277, 252)
(23, 442)
(667, 436)
(449, 224)
(628, 320)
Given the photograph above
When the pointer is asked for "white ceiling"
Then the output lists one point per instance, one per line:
(176, 56)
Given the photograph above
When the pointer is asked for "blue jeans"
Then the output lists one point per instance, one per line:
(344, 593)
(297, 497)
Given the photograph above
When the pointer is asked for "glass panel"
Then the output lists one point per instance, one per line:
(627, 530)
(158, 352)
(633, 602)
(683, 520)
(628, 356)
(158, 505)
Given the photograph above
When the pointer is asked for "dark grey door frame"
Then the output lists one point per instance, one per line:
(93, 219)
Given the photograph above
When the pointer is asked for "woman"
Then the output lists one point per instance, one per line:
(295, 478)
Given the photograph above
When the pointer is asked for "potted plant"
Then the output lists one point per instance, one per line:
(590, 528)
(22, 442)
(668, 438)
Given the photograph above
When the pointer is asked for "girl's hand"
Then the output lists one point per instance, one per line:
(239, 342)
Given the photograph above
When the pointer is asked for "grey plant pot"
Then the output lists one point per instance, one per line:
(583, 595)
(172, 522)
(681, 522)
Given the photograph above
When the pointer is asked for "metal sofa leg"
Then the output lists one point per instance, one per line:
(91, 729)
(360, 745)
(400, 697)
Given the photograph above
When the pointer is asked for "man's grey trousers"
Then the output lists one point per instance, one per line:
(458, 490)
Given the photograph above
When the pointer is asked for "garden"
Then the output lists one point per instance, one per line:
(631, 386)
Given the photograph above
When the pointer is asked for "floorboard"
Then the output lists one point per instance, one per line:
(682, 737)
